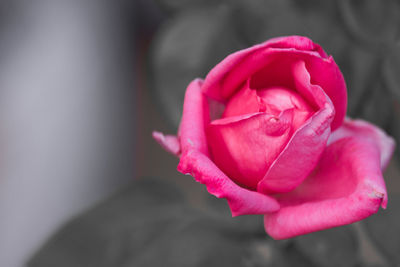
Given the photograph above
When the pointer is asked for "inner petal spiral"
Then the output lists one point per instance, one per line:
(278, 99)
(254, 128)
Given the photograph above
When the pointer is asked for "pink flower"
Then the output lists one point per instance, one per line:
(267, 131)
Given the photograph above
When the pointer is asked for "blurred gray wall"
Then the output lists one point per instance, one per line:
(66, 115)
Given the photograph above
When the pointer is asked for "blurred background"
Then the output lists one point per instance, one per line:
(83, 84)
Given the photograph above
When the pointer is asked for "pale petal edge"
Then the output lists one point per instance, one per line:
(169, 142)
(361, 128)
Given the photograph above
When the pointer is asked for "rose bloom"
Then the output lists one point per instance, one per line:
(266, 130)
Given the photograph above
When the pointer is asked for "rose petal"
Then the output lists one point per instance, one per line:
(195, 159)
(360, 128)
(225, 78)
(300, 155)
(241, 201)
(326, 74)
(305, 147)
(245, 101)
(194, 118)
(169, 142)
(279, 98)
(346, 186)
(297, 42)
(311, 92)
(245, 146)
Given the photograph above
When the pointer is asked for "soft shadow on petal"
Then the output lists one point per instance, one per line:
(345, 187)
(195, 159)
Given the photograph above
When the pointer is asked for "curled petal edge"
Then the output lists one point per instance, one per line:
(196, 162)
(241, 201)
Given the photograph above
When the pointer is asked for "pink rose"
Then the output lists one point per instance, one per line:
(267, 131)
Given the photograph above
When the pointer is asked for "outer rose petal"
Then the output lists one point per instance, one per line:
(241, 201)
(360, 128)
(225, 78)
(297, 42)
(195, 159)
(195, 116)
(346, 186)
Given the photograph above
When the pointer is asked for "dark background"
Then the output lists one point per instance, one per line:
(83, 84)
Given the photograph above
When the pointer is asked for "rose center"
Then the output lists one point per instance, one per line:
(272, 100)
(254, 128)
